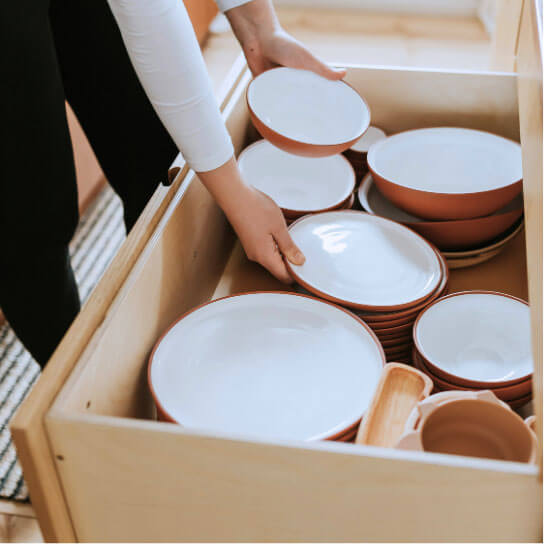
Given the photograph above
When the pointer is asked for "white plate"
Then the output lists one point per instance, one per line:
(447, 160)
(364, 261)
(370, 137)
(274, 365)
(297, 183)
(485, 337)
(308, 108)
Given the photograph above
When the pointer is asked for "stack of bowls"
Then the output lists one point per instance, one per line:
(459, 188)
(378, 269)
(270, 365)
(298, 185)
(477, 340)
(357, 153)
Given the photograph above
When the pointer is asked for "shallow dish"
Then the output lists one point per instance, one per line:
(298, 185)
(446, 235)
(306, 114)
(476, 339)
(447, 172)
(274, 365)
(363, 261)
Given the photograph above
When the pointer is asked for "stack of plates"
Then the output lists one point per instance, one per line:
(377, 268)
(298, 185)
(477, 340)
(459, 188)
(357, 153)
(268, 365)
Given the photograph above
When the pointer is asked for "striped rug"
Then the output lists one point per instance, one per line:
(99, 235)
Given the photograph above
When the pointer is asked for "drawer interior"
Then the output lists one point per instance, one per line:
(193, 255)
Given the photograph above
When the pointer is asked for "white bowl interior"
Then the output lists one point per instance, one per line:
(294, 182)
(308, 108)
(447, 160)
(370, 137)
(476, 336)
(374, 202)
(267, 364)
(363, 259)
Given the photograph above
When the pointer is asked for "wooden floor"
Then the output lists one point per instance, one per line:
(343, 38)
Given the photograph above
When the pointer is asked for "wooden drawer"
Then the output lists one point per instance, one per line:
(99, 468)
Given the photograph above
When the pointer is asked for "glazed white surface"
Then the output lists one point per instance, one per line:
(363, 259)
(370, 137)
(267, 364)
(308, 108)
(447, 160)
(482, 337)
(294, 182)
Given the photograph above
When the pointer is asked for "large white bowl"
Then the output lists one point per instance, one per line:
(306, 114)
(480, 337)
(298, 185)
(272, 365)
(364, 261)
(447, 173)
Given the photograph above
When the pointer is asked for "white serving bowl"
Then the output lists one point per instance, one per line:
(298, 185)
(270, 365)
(306, 114)
(476, 338)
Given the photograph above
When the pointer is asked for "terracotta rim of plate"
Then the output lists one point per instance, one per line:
(511, 233)
(295, 214)
(297, 147)
(442, 201)
(511, 392)
(386, 331)
(459, 380)
(397, 309)
(347, 205)
(165, 416)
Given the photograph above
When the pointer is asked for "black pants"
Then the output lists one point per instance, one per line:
(52, 50)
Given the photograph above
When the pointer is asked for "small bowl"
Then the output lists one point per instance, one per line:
(306, 114)
(356, 154)
(447, 172)
(507, 393)
(476, 339)
(298, 185)
(446, 235)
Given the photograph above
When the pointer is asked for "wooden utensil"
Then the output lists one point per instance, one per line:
(399, 390)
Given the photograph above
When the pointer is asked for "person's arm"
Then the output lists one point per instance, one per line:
(163, 48)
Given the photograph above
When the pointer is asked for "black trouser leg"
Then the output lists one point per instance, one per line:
(128, 138)
(38, 195)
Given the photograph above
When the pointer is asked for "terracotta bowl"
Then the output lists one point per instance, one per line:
(476, 339)
(508, 393)
(473, 428)
(447, 173)
(356, 154)
(450, 235)
(306, 114)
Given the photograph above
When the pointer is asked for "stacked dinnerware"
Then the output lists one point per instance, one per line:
(378, 269)
(270, 365)
(477, 340)
(459, 188)
(357, 153)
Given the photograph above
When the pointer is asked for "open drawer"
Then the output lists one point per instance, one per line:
(99, 468)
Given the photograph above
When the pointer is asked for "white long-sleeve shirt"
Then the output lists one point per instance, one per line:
(162, 46)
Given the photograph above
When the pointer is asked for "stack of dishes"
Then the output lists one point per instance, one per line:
(267, 365)
(459, 188)
(356, 154)
(377, 268)
(477, 340)
(298, 185)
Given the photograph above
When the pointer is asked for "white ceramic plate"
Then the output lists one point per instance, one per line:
(274, 365)
(447, 160)
(308, 108)
(370, 137)
(295, 183)
(484, 337)
(364, 261)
